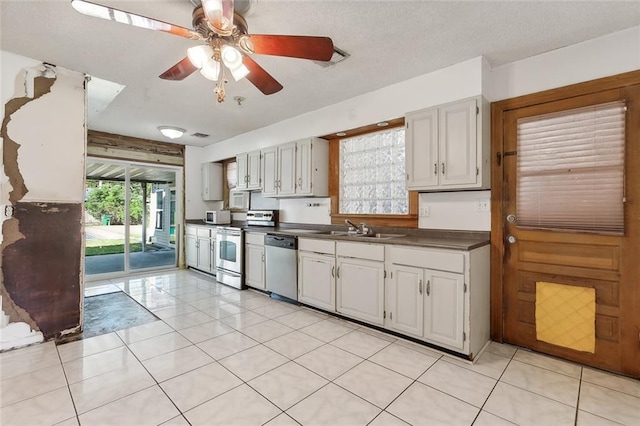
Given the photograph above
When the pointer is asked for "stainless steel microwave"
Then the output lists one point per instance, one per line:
(217, 217)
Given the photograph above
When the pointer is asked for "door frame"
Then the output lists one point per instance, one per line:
(498, 110)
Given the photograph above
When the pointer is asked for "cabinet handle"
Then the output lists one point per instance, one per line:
(338, 272)
(442, 168)
(333, 272)
(246, 178)
(428, 287)
(263, 258)
(299, 182)
(390, 315)
(435, 168)
(420, 287)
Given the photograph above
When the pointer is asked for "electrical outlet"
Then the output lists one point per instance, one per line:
(425, 211)
(483, 205)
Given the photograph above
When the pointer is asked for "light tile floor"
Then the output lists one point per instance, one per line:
(221, 356)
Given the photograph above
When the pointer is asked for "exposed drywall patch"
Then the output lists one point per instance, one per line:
(41, 272)
(42, 86)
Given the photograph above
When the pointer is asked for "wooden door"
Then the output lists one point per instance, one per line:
(607, 263)
(253, 170)
(254, 266)
(242, 169)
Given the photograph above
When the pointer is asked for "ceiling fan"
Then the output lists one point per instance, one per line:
(226, 44)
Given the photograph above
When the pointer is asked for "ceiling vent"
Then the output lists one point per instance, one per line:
(339, 55)
(200, 135)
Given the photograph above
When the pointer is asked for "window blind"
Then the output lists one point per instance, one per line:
(570, 169)
(232, 174)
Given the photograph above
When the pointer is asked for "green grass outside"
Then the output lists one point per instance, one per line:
(116, 246)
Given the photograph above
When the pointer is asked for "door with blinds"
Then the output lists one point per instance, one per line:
(570, 226)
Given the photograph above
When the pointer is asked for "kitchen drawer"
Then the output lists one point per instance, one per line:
(317, 246)
(206, 232)
(360, 250)
(190, 230)
(427, 258)
(255, 238)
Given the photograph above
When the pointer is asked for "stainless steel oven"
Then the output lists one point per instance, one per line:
(229, 256)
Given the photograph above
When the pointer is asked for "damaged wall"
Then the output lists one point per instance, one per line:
(42, 194)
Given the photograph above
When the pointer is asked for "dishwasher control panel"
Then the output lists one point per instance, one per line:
(283, 241)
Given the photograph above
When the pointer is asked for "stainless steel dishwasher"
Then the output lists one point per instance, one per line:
(281, 264)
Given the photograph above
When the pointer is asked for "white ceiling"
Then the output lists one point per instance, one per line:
(389, 41)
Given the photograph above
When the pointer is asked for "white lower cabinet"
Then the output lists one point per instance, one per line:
(360, 281)
(191, 249)
(404, 303)
(254, 260)
(317, 283)
(439, 296)
(200, 248)
(444, 308)
(317, 273)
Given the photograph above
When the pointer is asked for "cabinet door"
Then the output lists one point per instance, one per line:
(269, 171)
(242, 171)
(204, 254)
(254, 178)
(360, 289)
(457, 144)
(316, 280)
(304, 167)
(421, 157)
(254, 266)
(404, 301)
(191, 250)
(444, 308)
(287, 169)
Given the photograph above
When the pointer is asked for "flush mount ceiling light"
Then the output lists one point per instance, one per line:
(171, 132)
(226, 43)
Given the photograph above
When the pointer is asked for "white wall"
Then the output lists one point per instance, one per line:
(600, 57)
(455, 210)
(194, 205)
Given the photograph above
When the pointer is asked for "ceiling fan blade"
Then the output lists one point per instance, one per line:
(111, 14)
(305, 47)
(179, 71)
(260, 78)
(219, 13)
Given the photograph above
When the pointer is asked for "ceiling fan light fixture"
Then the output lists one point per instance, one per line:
(231, 57)
(171, 132)
(199, 55)
(211, 70)
(239, 73)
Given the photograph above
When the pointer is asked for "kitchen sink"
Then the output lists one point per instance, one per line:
(379, 236)
(382, 236)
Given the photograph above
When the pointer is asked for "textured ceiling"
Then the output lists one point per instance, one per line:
(389, 41)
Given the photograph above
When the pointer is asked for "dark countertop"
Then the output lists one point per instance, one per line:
(453, 240)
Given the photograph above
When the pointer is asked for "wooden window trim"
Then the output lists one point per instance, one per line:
(409, 220)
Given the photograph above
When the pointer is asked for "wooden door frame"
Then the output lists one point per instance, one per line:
(498, 109)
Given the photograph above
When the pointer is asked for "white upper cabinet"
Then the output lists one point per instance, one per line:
(422, 149)
(249, 173)
(447, 147)
(270, 172)
(211, 181)
(296, 169)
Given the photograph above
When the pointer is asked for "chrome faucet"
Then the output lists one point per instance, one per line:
(363, 228)
(351, 225)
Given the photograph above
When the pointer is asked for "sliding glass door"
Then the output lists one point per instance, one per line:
(130, 217)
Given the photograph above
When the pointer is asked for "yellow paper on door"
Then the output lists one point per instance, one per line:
(566, 316)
